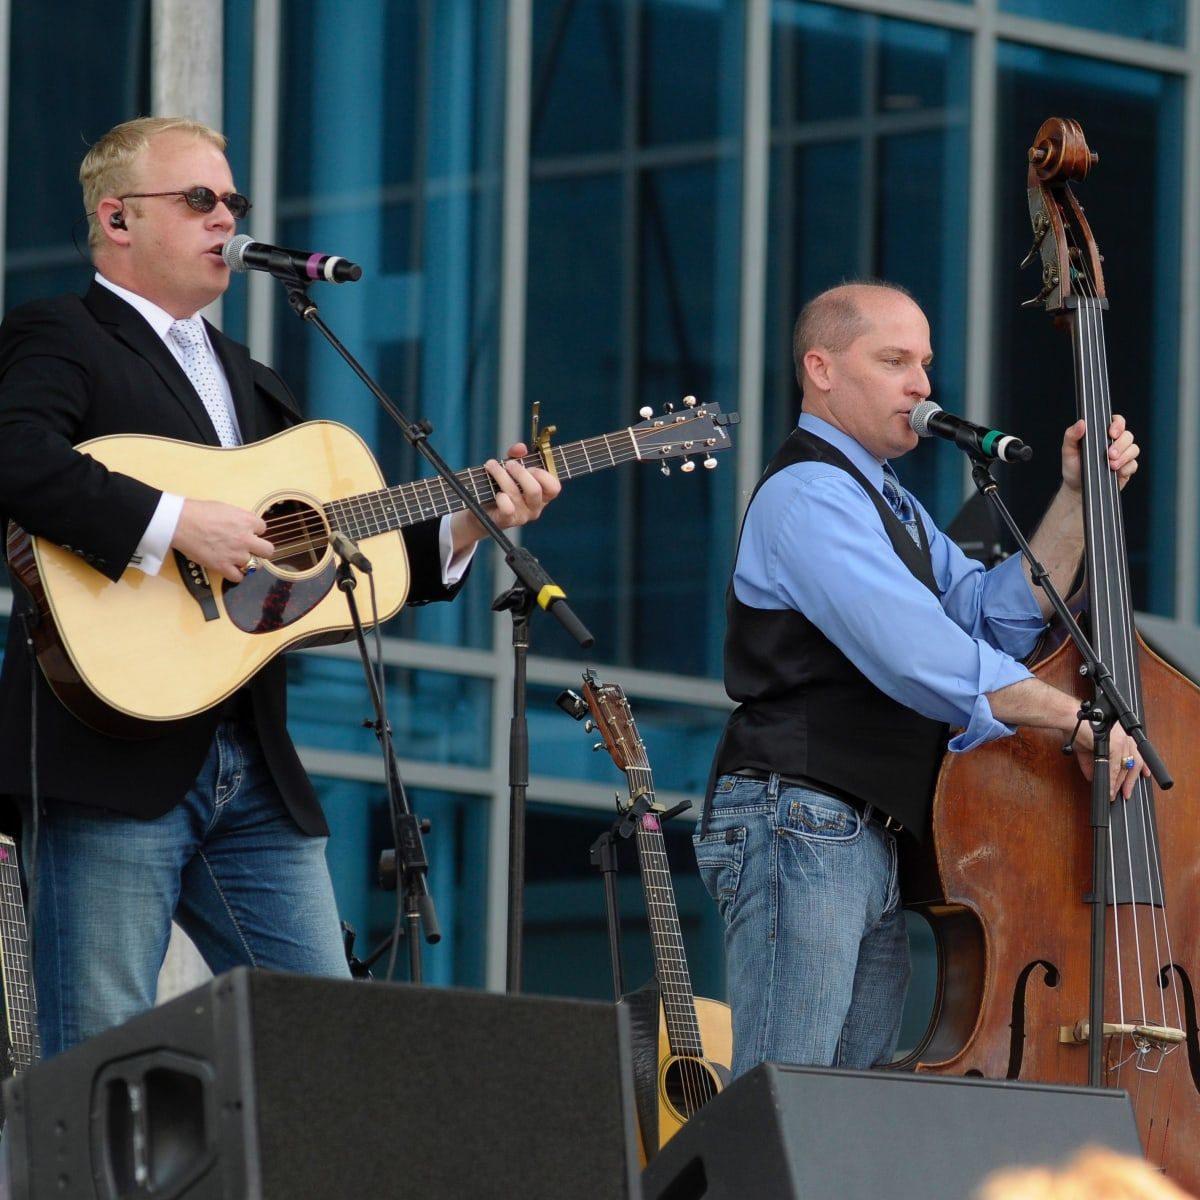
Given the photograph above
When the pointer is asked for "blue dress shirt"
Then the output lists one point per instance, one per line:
(812, 541)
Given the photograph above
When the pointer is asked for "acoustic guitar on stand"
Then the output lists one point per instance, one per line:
(21, 1043)
(128, 654)
(695, 1036)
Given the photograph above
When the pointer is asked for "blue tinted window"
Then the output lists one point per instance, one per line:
(1132, 118)
(689, 47)
(435, 716)
(577, 89)
(868, 179)
(397, 169)
(1151, 20)
(632, 302)
(52, 123)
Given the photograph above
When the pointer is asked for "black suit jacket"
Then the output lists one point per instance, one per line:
(76, 368)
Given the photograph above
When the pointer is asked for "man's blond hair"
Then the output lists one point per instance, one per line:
(108, 167)
(834, 319)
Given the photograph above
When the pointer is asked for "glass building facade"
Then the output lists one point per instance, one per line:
(601, 206)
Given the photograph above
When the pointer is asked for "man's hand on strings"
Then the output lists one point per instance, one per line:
(522, 493)
(1123, 453)
(221, 537)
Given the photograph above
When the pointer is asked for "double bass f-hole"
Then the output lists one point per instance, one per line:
(1012, 821)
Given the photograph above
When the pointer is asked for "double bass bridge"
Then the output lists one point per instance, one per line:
(1150, 1043)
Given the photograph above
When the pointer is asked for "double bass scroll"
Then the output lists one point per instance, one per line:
(1011, 823)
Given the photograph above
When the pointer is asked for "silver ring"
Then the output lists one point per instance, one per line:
(1127, 763)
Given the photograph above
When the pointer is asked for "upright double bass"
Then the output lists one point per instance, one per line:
(1012, 821)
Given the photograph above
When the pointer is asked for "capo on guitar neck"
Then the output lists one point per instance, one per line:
(539, 439)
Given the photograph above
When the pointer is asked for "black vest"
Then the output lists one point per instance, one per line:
(805, 710)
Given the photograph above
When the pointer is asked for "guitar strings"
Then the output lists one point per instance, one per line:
(380, 511)
(1113, 624)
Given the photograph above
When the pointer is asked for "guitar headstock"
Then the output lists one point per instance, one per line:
(696, 429)
(614, 722)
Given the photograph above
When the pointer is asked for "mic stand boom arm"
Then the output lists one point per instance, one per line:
(529, 572)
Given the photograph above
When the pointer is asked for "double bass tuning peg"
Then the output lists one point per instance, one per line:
(1040, 225)
(1049, 283)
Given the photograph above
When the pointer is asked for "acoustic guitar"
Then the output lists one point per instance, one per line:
(125, 655)
(695, 1036)
(22, 1044)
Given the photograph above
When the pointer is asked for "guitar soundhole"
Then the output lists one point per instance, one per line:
(687, 1084)
(299, 535)
(299, 576)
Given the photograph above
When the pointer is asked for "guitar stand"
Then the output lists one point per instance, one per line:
(603, 855)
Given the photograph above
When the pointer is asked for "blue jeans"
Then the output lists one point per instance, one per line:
(228, 864)
(816, 951)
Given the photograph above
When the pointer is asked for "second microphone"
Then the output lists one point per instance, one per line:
(930, 420)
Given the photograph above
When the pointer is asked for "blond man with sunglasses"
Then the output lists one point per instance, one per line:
(213, 822)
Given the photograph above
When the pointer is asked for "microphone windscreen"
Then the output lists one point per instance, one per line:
(920, 416)
(234, 250)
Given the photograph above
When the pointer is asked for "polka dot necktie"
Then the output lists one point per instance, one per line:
(188, 335)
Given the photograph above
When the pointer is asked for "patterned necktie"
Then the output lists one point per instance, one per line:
(900, 504)
(188, 335)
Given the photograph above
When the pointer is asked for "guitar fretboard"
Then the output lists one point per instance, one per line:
(694, 431)
(20, 1006)
(670, 959)
(408, 503)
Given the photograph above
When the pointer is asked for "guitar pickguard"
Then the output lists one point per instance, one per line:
(269, 600)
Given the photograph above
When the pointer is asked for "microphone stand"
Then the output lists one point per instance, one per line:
(1101, 713)
(518, 601)
(531, 577)
(412, 865)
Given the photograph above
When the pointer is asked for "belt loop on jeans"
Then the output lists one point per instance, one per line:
(871, 813)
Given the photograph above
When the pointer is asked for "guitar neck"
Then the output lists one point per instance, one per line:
(670, 960)
(393, 508)
(16, 976)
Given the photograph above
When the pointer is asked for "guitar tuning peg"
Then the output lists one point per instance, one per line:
(668, 407)
(645, 412)
(588, 726)
(689, 402)
(710, 463)
(687, 466)
(666, 470)
(597, 746)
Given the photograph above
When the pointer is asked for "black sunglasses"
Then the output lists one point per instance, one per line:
(201, 200)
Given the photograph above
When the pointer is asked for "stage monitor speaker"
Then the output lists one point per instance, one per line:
(267, 1085)
(808, 1133)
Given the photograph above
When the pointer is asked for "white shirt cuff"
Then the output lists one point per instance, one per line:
(156, 541)
(453, 569)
